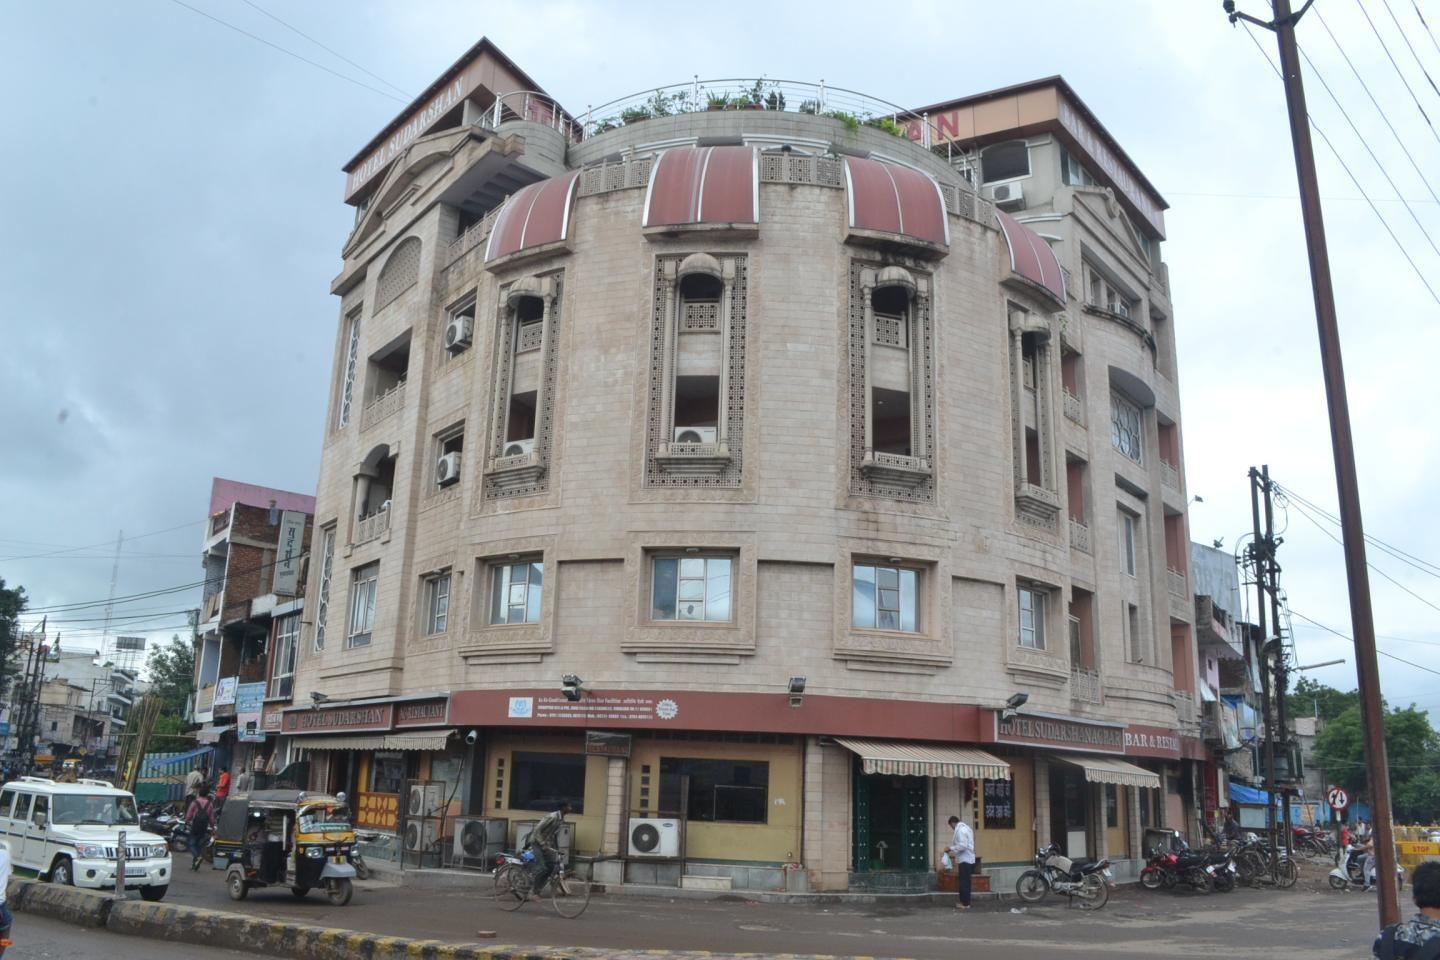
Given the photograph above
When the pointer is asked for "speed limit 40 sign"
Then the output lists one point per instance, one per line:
(1338, 799)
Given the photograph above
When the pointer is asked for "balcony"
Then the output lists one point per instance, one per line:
(212, 607)
(893, 468)
(383, 406)
(1074, 411)
(1170, 476)
(1037, 502)
(1084, 686)
(1080, 536)
(373, 527)
(1178, 586)
(1185, 710)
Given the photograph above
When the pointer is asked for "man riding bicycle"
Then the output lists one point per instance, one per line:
(545, 840)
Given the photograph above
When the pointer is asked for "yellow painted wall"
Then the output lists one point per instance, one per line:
(589, 826)
(1117, 838)
(996, 845)
(774, 841)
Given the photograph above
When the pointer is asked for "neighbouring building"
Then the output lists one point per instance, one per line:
(746, 468)
(255, 555)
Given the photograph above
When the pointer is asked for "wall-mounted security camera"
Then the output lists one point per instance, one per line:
(797, 689)
(1013, 705)
(472, 737)
(570, 686)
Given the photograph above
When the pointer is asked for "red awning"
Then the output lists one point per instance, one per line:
(536, 216)
(889, 198)
(1030, 256)
(692, 185)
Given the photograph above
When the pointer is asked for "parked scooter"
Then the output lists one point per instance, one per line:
(1351, 872)
(357, 859)
(1085, 879)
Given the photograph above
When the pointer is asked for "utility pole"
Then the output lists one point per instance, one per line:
(1342, 443)
(1258, 550)
(1277, 647)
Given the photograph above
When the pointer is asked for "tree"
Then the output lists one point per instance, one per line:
(12, 604)
(172, 674)
(1310, 698)
(1412, 749)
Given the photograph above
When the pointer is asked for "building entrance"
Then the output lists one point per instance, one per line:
(1069, 809)
(892, 823)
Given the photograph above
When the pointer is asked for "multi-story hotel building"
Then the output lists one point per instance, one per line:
(805, 449)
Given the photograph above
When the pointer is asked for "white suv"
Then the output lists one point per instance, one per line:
(69, 832)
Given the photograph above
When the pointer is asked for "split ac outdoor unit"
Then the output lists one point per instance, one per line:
(457, 334)
(424, 800)
(1008, 195)
(695, 434)
(654, 837)
(479, 838)
(447, 470)
(420, 835)
(518, 448)
(565, 842)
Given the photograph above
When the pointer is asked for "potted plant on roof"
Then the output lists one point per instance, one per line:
(634, 114)
(775, 100)
(717, 101)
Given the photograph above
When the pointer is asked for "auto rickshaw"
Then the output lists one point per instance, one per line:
(286, 838)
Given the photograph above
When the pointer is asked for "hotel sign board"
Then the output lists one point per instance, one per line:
(1060, 732)
(362, 719)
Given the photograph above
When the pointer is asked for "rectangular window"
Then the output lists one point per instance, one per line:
(437, 604)
(885, 598)
(1032, 618)
(352, 352)
(7, 800)
(1112, 805)
(999, 811)
(690, 588)
(282, 665)
(1125, 426)
(362, 604)
(544, 781)
(1132, 625)
(720, 791)
(387, 773)
(322, 606)
(515, 592)
(1005, 161)
(1127, 542)
(449, 449)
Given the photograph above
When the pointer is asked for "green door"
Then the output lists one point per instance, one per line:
(891, 823)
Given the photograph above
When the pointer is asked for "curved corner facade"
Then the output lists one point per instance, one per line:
(733, 476)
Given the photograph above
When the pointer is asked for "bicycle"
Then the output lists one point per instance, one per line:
(568, 894)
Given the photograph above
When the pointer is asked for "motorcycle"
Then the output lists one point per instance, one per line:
(357, 859)
(1351, 873)
(1087, 879)
(1169, 869)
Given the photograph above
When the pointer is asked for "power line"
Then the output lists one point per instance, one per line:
(1342, 636)
(1378, 109)
(1368, 149)
(1398, 72)
(1396, 552)
(1328, 198)
(333, 53)
(104, 543)
(1404, 36)
(1428, 32)
(289, 53)
(1349, 173)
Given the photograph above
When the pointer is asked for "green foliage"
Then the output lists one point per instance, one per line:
(12, 604)
(852, 122)
(1412, 749)
(635, 114)
(172, 675)
(1310, 698)
(167, 738)
(889, 125)
(811, 107)
(718, 101)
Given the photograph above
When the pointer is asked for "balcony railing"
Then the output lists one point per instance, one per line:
(1185, 710)
(1178, 586)
(1084, 686)
(1170, 475)
(1080, 535)
(372, 527)
(1073, 410)
(383, 405)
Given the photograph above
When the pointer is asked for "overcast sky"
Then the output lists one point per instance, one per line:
(173, 218)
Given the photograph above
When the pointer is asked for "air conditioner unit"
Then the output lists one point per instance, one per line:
(479, 838)
(457, 333)
(654, 837)
(565, 841)
(518, 448)
(424, 800)
(695, 434)
(421, 835)
(447, 470)
(1007, 196)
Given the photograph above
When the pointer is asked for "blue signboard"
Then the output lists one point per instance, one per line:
(249, 705)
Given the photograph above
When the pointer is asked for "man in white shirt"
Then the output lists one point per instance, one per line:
(962, 851)
(5, 919)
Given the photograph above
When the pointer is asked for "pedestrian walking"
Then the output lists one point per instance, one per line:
(222, 789)
(962, 851)
(200, 818)
(1419, 937)
(193, 781)
(244, 780)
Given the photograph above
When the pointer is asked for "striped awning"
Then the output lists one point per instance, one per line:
(430, 740)
(900, 759)
(1110, 770)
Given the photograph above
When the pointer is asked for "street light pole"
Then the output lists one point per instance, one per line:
(1343, 444)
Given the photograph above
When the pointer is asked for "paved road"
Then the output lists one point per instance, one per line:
(39, 938)
(1137, 924)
